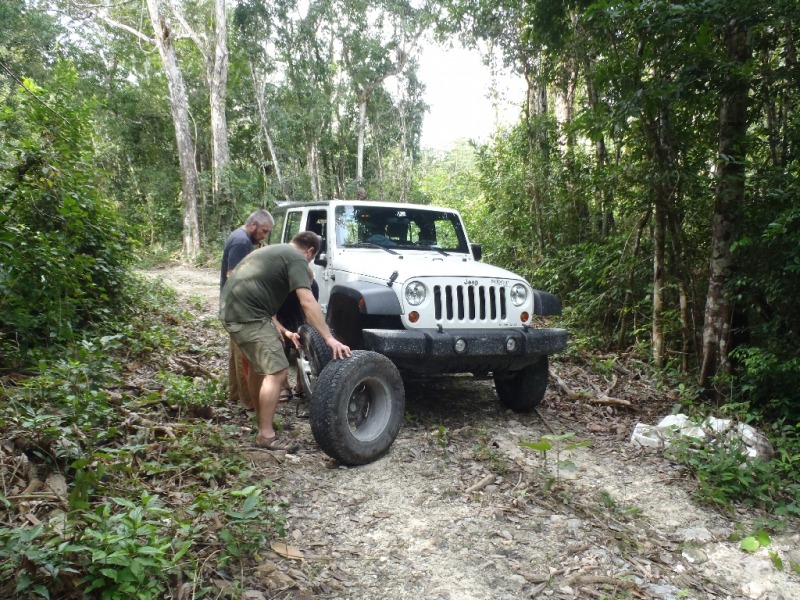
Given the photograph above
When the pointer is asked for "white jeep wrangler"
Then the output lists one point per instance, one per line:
(403, 287)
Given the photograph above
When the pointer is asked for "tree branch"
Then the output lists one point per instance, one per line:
(117, 25)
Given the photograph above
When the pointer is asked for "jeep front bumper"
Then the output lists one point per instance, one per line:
(464, 350)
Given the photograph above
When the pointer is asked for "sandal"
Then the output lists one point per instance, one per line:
(273, 444)
(286, 394)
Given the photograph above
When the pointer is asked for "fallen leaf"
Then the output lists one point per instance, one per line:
(57, 484)
(287, 551)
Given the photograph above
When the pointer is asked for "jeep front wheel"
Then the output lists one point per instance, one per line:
(522, 390)
(357, 407)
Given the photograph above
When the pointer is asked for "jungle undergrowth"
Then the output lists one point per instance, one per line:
(157, 497)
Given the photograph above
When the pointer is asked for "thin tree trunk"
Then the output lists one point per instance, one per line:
(362, 126)
(262, 115)
(179, 107)
(623, 325)
(640, 225)
(537, 147)
(686, 286)
(312, 166)
(659, 243)
(218, 91)
(729, 196)
(376, 135)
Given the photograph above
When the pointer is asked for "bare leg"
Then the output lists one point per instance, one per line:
(241, 367)
(267, 389)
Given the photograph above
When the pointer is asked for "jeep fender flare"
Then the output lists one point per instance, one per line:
(351, 304)
(370, 298)
(545, 304)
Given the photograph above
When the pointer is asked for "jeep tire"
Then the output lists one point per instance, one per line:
(522, 390)
(312, 358)
(357, 407)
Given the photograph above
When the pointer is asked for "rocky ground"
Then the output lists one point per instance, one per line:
(458, 509)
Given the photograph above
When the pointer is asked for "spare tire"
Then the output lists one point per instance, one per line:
(312, 357)
(357, 407)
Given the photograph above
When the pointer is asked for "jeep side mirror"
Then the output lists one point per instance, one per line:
(321, 258)
(477, 251)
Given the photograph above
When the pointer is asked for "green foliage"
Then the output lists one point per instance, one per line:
(623, 512)
(249, 521)
(761, 539)
(123, 535)
(768, 358)
(726, 474)
(440, 434)
(557, 443)
(62, 245)
(122, 549)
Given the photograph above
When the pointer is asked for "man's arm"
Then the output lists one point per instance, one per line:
(236, 254)
(314, 316)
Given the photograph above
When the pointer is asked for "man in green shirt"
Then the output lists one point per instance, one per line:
(254, 292)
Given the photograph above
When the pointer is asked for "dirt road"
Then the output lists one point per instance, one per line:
(459, 510)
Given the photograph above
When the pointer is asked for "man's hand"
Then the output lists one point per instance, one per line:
(338, 349)
(293, 337)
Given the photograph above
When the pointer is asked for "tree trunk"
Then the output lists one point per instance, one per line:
(623, 325)
(215, 60)
(262, 115)
(729, 196)
(537, 147)
(659, 242)
(312, 166)
(218, 90)
(362, 126)
(179, 107)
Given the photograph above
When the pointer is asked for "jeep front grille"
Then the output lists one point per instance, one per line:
(466, 303)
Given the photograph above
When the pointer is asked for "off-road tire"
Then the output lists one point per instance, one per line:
(522, 390)
(357, 407)
(312, 357)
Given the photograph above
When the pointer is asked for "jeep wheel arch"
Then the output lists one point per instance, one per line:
(354, 306)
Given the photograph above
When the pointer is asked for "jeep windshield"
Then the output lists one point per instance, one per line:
(399, 228)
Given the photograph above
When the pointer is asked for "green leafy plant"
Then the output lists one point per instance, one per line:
(761, 539)
(249, 520)
(440, 434)
(726, 474)
(623, 512)
(556, 443)
(121, 549)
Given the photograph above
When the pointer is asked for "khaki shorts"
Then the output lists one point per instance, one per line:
(260, 342)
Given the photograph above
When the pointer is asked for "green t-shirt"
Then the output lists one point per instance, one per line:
(260, 283)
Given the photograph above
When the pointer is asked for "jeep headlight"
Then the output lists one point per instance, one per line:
(519, 294)
(416, 293)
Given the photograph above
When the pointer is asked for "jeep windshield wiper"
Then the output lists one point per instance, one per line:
(434, 248)
(371, 245)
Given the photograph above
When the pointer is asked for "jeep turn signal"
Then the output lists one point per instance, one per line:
(413, 316)
(524, 316)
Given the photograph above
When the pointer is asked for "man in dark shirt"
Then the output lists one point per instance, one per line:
(250, 300)
(239, 244)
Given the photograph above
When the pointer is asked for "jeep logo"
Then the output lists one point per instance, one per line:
(471, 282)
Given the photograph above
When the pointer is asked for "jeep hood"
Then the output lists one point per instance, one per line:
(414, 265)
